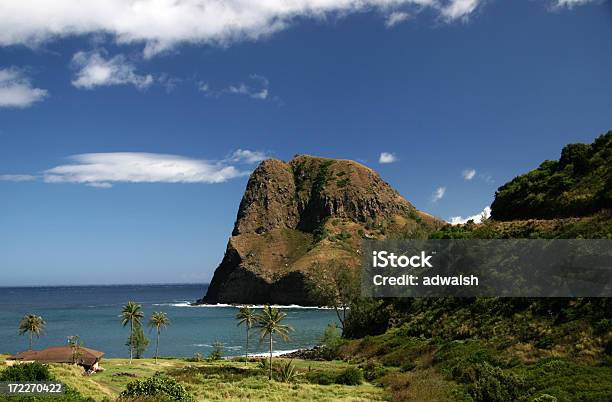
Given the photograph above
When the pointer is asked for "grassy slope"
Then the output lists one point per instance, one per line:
(214, 381)
(488, 348)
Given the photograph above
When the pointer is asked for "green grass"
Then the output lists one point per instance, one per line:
(220, 380)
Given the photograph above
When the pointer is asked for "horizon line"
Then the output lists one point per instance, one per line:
(105, 285)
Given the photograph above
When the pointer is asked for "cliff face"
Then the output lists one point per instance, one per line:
(298, 214)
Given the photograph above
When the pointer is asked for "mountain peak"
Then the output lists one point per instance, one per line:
(294, 214)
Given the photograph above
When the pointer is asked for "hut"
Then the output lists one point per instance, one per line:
(85, 357)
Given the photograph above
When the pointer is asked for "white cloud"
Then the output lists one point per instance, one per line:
(17, 177)
(486, 177)
(438, 194)
(203, 87)
(396, 17)
(169, 82)
(163, 24)
(104, 169)
(468, 174)
(246, 156)
(456, 9)
(16, 89)
(571, 3)
(387, 157)
(94, 70)
(458, 220)
(259, 89)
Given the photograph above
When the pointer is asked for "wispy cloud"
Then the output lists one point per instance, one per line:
(571, 3)
(395, 18)
(486, 177)
(17, 177)
(257, 89)
(387, 157)
(16, 89)
(204, 87)
(468, 174)
(438, 194)
(459, 9)
(161, 25)
(169, 82)
(94, 70)
(102, 170)
(457, 220)
(247, 156)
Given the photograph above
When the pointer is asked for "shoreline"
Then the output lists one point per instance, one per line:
(238, 305)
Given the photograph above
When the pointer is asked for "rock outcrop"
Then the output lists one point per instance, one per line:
(305, 212)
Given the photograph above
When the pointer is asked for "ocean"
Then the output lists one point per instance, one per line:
(92, 313)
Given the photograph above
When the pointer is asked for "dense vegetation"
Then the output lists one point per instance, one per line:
(37, 372)
(578, 184)
(503, 349)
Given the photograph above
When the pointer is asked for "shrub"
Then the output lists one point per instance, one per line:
(408, 366)
(158, 386)
(350, 376)
(287, 372)
(37, 372)
(26, 372)
(263, 364)
(544, 398)
(320, 377)
(372, 370)
(492, 384)
(217, 351)
(603, 326)
(330, 342)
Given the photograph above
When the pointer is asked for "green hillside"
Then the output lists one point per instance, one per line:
(578, 184)
(503, 349)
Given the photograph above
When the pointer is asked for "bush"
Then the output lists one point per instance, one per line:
(492, 384)
(263, 364)
(158, 386)
(286, 372)
(217, 352)
(37, 372)
(603, 326)
(27, 372)
(330, 342)
(321, 377)
(373, 370)
(408, 366)
(350, 376)
(544, 398)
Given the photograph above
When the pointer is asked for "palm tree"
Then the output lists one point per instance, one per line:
(131, 314)
(32, 325)
(247, 317)
(159, 320)
(269, 323)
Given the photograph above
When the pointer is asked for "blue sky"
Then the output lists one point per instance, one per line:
(127, 130)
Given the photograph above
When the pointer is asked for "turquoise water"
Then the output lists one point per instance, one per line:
(91, 312)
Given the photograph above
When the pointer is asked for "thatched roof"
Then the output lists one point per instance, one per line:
(60, 354)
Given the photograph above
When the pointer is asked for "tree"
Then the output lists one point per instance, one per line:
(131, 314)
(159, 320)
(32, 325)
(336, 285)
(269, 322)
(218, 348)
(247, 317)
(75, 344)
(138, 341)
